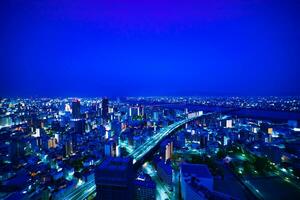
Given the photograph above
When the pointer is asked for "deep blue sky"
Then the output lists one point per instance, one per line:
(149, 47)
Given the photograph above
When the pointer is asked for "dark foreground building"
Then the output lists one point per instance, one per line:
(114, 179)
(76, 109)
(145, 188)
(104, 108)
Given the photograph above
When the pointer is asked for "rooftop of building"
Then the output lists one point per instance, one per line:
(115, 171)
(198, 170)
(204, 192)
(144, 180)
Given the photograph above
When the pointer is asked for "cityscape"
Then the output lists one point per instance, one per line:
(150, 100)
(149, 148)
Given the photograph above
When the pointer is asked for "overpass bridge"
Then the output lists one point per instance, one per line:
(142, 151)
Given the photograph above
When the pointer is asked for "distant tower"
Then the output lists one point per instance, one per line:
(76, 109)
(141, 111)
(155, 116)
(104, 108)
(114, 179)
(136, 111)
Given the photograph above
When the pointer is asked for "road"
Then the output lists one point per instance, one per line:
(142, 150)
(162, 191)
(82, 192)
(176, 183)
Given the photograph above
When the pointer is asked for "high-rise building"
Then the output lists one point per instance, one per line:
(203, 137)
(135, 111)
(76, 109)
(181, 139)
(104, 108)
(79, 126)
(141, 111)
(169, 151)
(52, 143)
(68, 147)
(114, 179)
(111, 149)
(166, 149)
(68, 108)
(229, 123)
(225, 140)
(155, 116)
(16, 151)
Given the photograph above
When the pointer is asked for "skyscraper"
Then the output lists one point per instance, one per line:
(79, 126)
(136, 111)
(17, 146)
(68, 147)
(166, 149)
(104, 108)
(114, 179)
(76, 109)
(111, 149)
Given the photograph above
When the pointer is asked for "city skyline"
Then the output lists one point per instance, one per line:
(149, 148)
(143, 48)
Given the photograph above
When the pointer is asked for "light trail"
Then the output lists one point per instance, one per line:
(83, 191)
(142, 150)
(162, 191)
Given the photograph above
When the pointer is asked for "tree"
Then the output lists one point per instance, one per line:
(221, 154)
(247, 167)
(261, 164)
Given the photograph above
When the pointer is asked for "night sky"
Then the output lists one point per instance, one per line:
(149, 47)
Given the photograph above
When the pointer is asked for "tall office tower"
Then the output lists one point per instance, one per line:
(155, 116)
(141, 111)
(133, 111)
(181, 139)
(111, 149)
(16, 151)
(79, 126)
(104, 108)
(114, 179)
(68, 147)
(229, 123)
(52, 143)
(186, 111)
(76, 109)
(166, 149)
(169, 151)
(203, 138)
